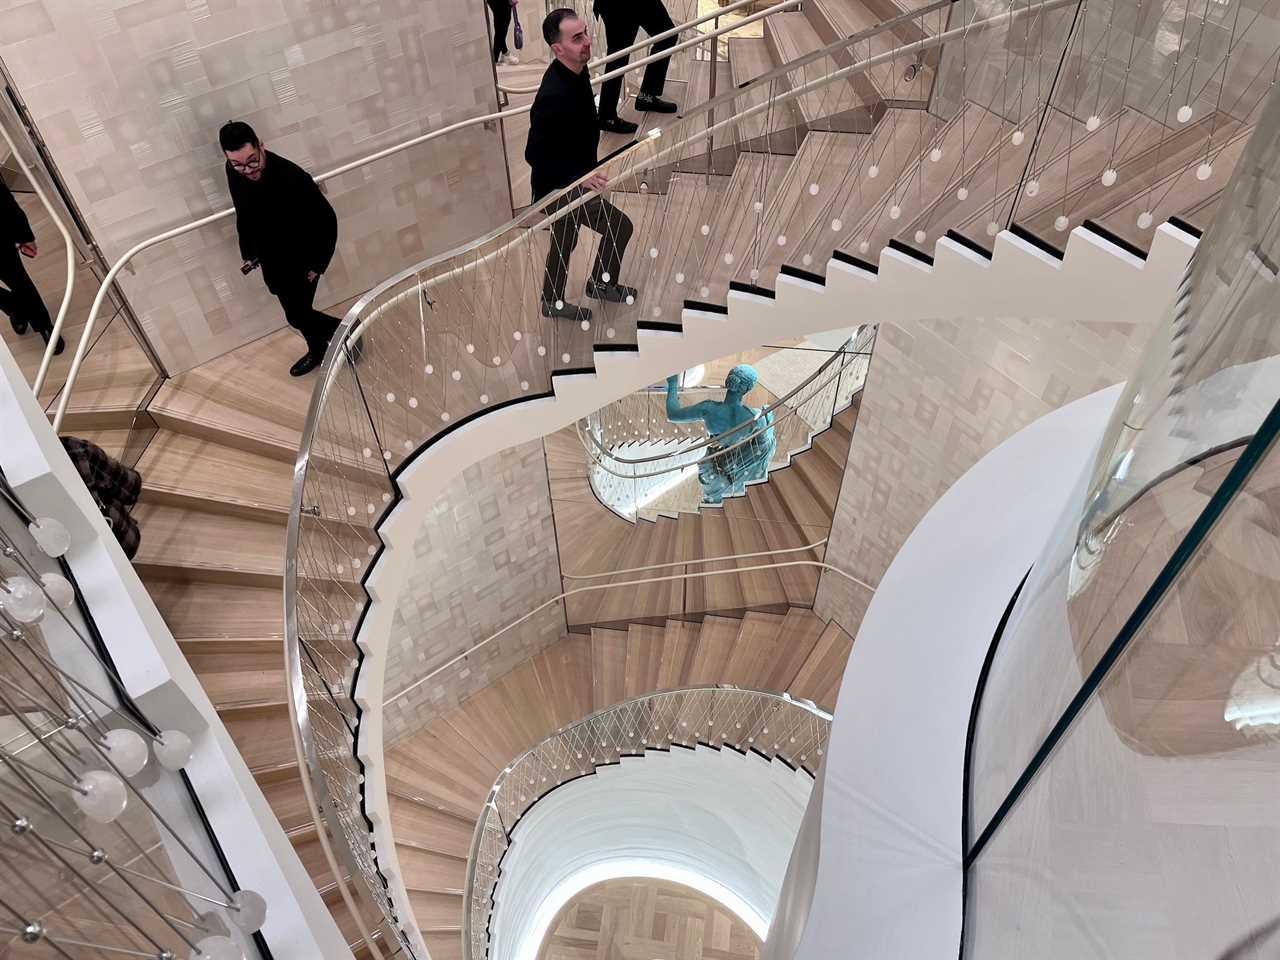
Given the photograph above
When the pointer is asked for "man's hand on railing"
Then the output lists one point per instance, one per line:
(596, 182)
(28, 249)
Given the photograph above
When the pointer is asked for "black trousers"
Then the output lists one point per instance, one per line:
(599, 215)
(297, 296)
(501, 23)
(21, 301)
(623, 20)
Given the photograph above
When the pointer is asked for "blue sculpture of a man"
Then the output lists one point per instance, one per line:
(730, 463)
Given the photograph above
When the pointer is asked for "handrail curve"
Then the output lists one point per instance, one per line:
(86, 337)
(696, 575)
(708, 441)
(666, 718)
(483, 250)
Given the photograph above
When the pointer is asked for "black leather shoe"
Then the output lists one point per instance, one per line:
(19, 325)
(44, 335)
(612, 292)
(565, 311)
(305, 365)
(618, 125)
(650, 104)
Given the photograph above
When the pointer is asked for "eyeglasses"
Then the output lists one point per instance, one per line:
(253, 163)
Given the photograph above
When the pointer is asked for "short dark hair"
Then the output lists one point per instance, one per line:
(235, 135)
(551, 25)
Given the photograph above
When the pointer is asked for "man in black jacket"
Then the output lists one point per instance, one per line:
(22, 301)
(287, 227)
(564, 136)
(623, 19)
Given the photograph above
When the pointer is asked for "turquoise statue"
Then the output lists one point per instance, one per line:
(730, 464)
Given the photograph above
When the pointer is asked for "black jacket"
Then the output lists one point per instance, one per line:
(14, 226)
(284, 221)
(564, 133)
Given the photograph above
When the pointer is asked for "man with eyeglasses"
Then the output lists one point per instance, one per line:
(286, 227)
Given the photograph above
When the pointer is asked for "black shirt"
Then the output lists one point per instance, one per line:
(14, 226)
(284, 221)
(564, 133)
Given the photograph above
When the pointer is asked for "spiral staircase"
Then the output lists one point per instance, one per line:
(805, 184)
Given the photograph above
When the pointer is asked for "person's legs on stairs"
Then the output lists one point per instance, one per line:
(317, 329)
(654, 20)
(27, 305)
(501, 23)
(615, 229)
(620, 29)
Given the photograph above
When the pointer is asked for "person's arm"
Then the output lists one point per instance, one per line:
(246, 232)
(322, 224)
(14, 218)
(677, 413)
(548, 133)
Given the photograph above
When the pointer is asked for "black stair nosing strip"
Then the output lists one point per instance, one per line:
(969, 244)
(665, 325)
(739, 287)
(853, 261)
(1037, 241)
(760, 753)
(706, 307)
(573, 371)
(785, 762)
(1188, 228)
(909, 251)
(735, 748)
(683, 746)
(616, 348)
(1093, 226)
(787, 270)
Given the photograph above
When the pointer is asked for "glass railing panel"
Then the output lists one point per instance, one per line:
(1148, 115)
(1151, 829)
(138, 872)
(1206, 382)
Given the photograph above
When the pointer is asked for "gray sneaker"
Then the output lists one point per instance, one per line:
(561, 310)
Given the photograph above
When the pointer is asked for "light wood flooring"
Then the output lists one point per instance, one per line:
(638, 919)
(439, 777)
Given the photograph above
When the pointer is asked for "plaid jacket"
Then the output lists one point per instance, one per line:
(114, 487)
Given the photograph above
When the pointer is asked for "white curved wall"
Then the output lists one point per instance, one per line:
(717, 821)
(1094, 279)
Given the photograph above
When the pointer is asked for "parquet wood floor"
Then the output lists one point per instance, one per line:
(641, 919)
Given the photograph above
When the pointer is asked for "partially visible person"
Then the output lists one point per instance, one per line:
(623, 20)
(286, 227)
(501, 10)
(21, 301)
(742, 437)
(114, 487)
(564, 138)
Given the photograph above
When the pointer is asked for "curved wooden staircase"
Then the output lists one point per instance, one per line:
(438, 778)
(792, 508)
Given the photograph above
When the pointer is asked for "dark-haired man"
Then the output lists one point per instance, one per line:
(623, 19)
(564, 137)
(21, 301)
(286, 227)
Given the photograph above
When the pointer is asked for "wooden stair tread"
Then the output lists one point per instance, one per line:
(776, 128)
(431, 872)
(790, 37)
(608, 666)
(754, 649)
(431, 830)
(230, 610)
(819, 679)
(181, 540)
(185, 411)
(715, 646)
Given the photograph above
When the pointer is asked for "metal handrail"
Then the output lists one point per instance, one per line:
(689, 563)
(794, 411)
(85, 338)
(697, 575)
(674, 31)
(490, 807)
(355, 323)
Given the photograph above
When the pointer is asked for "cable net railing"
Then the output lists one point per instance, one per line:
(773, 725)
(641, 464)
(958, 118)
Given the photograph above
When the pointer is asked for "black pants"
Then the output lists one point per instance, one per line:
(22, 300)
(623, 20)
(599, 215)
(297, 296)
(501, 23)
